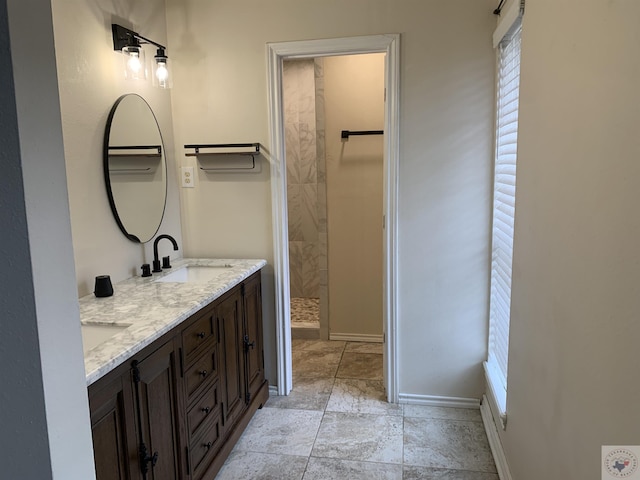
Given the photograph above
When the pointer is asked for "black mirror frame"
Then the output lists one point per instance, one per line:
(105, 164)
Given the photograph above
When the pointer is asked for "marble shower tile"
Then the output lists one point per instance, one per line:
(308, 169)
(364, 347)
(295, 212)
(307, 394)
(322, 206)
(279, 430)
(251, 465)
(323, 251)
(334, 469)
(366, 438)
(361, 396)
(444, 413)
(292, 151)
(320, 103)
(290, 91)
(295, 269)
(424, 473)
(309, 363)
(360, 365)
(309, 212)
(310, 271)
(447, 444)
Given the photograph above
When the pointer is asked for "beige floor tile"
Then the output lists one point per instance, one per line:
(252, 465)
(334, 469)
(364, 347)
(424, 473)
(445, 413)
(312, 363)
(361, 396)
(365, 366)
(308, 393)
(279, 430)
(447, 444)
(359, 437)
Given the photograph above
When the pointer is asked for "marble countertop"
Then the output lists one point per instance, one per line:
(149, 309)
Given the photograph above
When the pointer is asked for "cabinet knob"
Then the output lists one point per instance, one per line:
(206, 410)
(208, 445)
(203, 373)
(201, 335)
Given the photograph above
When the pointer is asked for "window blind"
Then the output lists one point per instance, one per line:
(503, 213)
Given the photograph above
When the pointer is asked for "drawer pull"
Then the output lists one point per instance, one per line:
(201, 335)
(208, 445)
(203, 373)
(206, 410)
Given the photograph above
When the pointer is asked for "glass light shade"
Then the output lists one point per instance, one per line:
(162, 75)
(135, 67)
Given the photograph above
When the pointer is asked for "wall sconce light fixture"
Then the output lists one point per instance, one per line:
(135, 67)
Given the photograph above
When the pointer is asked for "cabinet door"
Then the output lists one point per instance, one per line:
(232, 374)
(156, 383)
(253, 335)
(111, 404)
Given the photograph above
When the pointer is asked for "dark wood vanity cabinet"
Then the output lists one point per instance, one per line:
(176, 409)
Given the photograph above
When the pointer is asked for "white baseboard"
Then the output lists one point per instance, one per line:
(355, 337)
(273, 390)
(494, 440)
(439, 401)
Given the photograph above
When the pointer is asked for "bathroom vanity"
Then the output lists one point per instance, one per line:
(179, 371)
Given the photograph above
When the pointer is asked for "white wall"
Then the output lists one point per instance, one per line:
(447, 70)
(89, 74)
(573, 361)
(354, 100)
(45, 431)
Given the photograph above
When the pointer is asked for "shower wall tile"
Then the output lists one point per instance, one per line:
(310, 273)
(322, 208)
(318, 64)
(290, 91)
(292, 152)
(309, 212)
(308, 169)
(294, 210)
(320, 125)
(306, 93)
(295, 269)
(321, 166)
(323, 248)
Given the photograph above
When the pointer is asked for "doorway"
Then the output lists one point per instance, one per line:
(277, 53)
(335, 261)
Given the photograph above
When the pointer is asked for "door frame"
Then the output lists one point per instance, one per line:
(276, 53)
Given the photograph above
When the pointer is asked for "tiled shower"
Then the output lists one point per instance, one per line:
(306, 196)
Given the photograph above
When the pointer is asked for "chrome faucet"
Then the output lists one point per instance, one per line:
(165, 260)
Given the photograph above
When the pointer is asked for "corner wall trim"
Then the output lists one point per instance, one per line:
(439, 401)
(494, 440)
(273, 391)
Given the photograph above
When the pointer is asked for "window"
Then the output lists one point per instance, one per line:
(508, 80)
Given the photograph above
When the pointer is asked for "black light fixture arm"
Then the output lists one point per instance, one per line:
(123, 36)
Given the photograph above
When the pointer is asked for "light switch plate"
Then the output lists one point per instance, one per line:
(188, 180)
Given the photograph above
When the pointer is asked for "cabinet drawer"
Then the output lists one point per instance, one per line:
(208, 405)
(204, 447)
(200, 333)
(202, 371)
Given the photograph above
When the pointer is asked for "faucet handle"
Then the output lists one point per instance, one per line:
(146, 270)
(156, 266)
(166, 262)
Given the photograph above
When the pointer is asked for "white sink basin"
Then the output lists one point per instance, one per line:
(195, 274)
(93, 335)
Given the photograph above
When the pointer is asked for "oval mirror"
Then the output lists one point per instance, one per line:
(135, 168)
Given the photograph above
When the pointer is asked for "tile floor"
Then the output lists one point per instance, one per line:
(335, 424)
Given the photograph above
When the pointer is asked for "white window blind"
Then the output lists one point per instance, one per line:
(503, 214)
